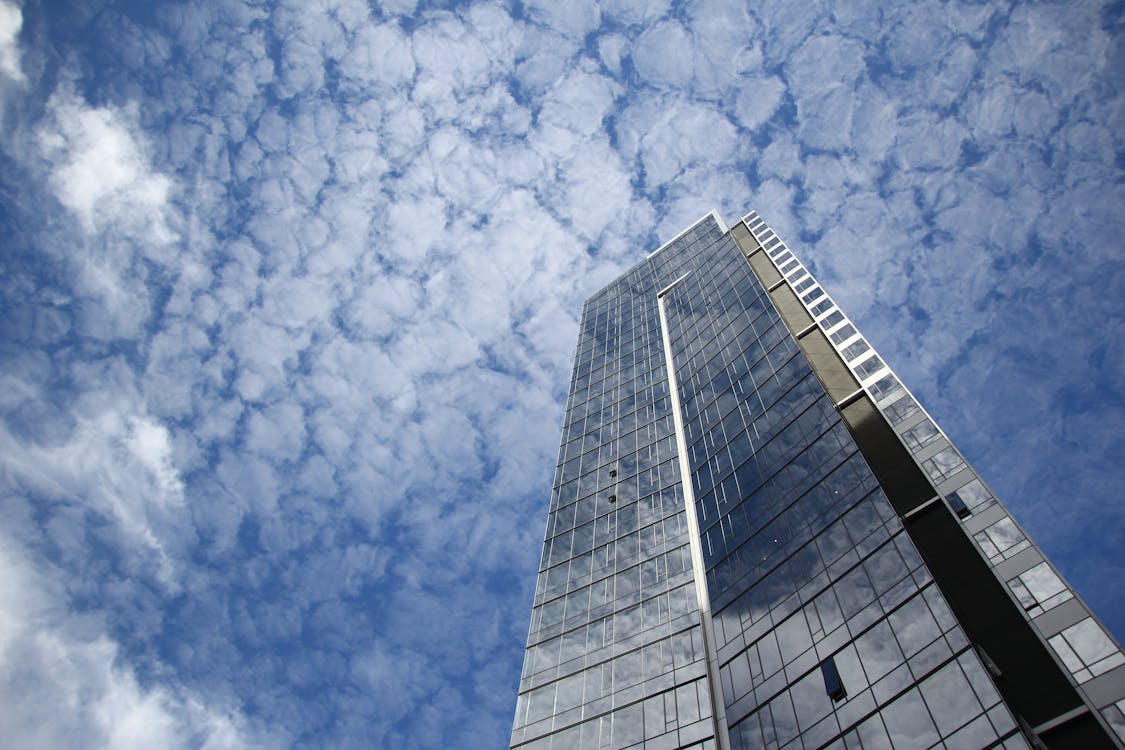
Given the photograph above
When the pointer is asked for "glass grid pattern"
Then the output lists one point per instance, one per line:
(615, 653)
(804, 558)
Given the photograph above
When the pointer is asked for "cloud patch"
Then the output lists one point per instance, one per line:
(293, 289)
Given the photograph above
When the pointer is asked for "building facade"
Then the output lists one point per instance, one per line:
(758, 538)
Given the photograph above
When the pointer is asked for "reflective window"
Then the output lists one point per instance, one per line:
(943, 465)
(901, 409)
(918, 437)
(923, 693)
(1039, 589)
(804, 285)
(869, 366)
(1086, 650)
(815, 294)
(1001, 540)
(614, 649)
(885, 387)
(832, 320)
(1115, 716)
(821, 307)
(974, 495)
(854, 350)
(842, 335)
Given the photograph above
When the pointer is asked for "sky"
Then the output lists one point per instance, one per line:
(290, 291)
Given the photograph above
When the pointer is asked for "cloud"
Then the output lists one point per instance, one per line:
(115, 464)
(636, 12)
(663, 54)
(63, 684)
(100, 170)
(574, 19)
(293, 289)
(11, 20)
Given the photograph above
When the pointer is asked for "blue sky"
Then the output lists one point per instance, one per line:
(290, 292)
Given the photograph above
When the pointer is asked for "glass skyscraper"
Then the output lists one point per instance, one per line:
(759, 539)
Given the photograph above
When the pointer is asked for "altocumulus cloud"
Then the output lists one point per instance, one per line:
(290, 294)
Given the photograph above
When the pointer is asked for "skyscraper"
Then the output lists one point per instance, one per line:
(758, 538)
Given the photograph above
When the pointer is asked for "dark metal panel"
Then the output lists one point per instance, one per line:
(826, 363)
(905, 484)
(792, 311)
(745, 240)
(764, 269)
(1030, 680)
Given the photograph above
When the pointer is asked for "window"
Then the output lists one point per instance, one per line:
(800, 274)
(1115, 715)
(973, 495)
(1039, 589)
(884, 387)
(843, 334)
(1086, 650)
(919, 437)
(822, 307)
(804, 285)
(943, 465)
(869, 366)
(856, 349)
(814, 294)
(958, 506)
(901, 409)
(1001, 540)
(790, 266)
(832, 320)
(833, 685)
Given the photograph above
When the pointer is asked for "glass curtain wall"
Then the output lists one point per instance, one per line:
(828, 628)
(615, 654)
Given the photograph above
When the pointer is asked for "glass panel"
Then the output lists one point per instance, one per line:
(920, 436)
(943, 465)
(901, 409)
(950, 698)
(908, 722)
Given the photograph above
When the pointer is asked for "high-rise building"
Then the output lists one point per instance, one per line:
(759, 539)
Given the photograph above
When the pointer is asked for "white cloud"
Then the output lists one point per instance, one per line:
(116, 463)
(579, 102)
(636, 11)
(343, 333)
(663, 55)
(574, 19)
(100, 169)
(659, 132)
(61, 686)
(757, 100)
(380, 55)
(611, 50)
(11, 21)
